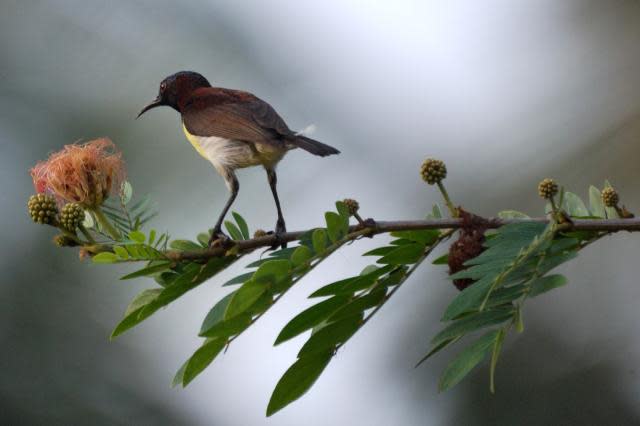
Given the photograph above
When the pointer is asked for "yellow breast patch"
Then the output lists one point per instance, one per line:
(194, 141)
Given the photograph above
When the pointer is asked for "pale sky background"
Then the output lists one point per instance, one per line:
(505, 92)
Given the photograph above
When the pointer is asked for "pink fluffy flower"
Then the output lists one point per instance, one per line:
(81, 173)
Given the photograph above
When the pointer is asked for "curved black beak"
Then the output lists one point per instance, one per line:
(156, 103)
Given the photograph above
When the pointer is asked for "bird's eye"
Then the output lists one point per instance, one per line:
(163, 86)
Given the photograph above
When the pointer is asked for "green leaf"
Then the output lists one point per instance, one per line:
(370, 268)
(137, 236)
(240, 279)
(203, 239)
(216, 314)
(505, 295)
(436, 349)
(301, 255)
(544, 284)
(245, 297)
(337, 226)
(422, 236)
(297, 380)
(401, 242)
(242, 224)
(353, 284)
(331, 335)
(274, 271)
(502, 250)
(127, 192)
(184, 245)
(191, 276)
(105, 257)
(319, 239)
(179, 377)
(497, 346)
(142, 299)
(310, 317)
(380, 251)
(149, 270)
(359, 305)
(512, 214)
(201, 359)
(468, 299)
(121, 252)
(472, 323)
(140, 206)
(342, 209)
(596, 206)
(230, 327)
(442, 260)
(436, 212)
(403, 255)
(467, 360)
(152, 236)
(574, 205)
(233, 230)
(394, 277)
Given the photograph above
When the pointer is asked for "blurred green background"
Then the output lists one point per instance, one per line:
(505, 92)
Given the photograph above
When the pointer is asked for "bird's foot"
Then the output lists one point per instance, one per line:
(367, 223)
(281, 229)
(218, 239)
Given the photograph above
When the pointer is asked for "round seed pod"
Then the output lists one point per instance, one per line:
(610, 197)
(42, 208)
(433, 171)
(71, 216)
(547, 188)
(352, 205)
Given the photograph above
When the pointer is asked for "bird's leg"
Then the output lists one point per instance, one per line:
(234, 187)
(280, 225)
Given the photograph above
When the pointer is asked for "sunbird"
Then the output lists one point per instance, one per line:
(232, 129)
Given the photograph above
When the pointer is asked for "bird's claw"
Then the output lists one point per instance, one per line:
(218, 239)
(281, 229)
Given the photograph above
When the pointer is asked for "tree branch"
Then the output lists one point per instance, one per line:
(370, 228)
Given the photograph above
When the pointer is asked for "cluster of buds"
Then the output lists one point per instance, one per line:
(71, 216)
(43, 209)
(352, 205)
(260, 233)
(64, 241)
(80, 176)
(547, 188)
(610, 197)
(433, 171)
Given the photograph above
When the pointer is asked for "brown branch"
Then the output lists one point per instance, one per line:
(372, 228)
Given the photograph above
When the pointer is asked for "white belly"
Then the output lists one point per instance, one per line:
(228, 153)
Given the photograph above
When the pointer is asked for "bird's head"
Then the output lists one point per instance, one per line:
(175, 89)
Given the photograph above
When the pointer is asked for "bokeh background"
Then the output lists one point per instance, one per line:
(506, 92)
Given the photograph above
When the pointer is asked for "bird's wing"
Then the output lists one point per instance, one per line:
(234, 115)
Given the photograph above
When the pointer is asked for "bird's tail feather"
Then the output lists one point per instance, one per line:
(313, 146)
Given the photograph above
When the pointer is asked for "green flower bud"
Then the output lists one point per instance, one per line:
(433, 171)
(547, 188)
(42, 208)
(72, 216)
(352, 205)
(610, 197)
(64, 241)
